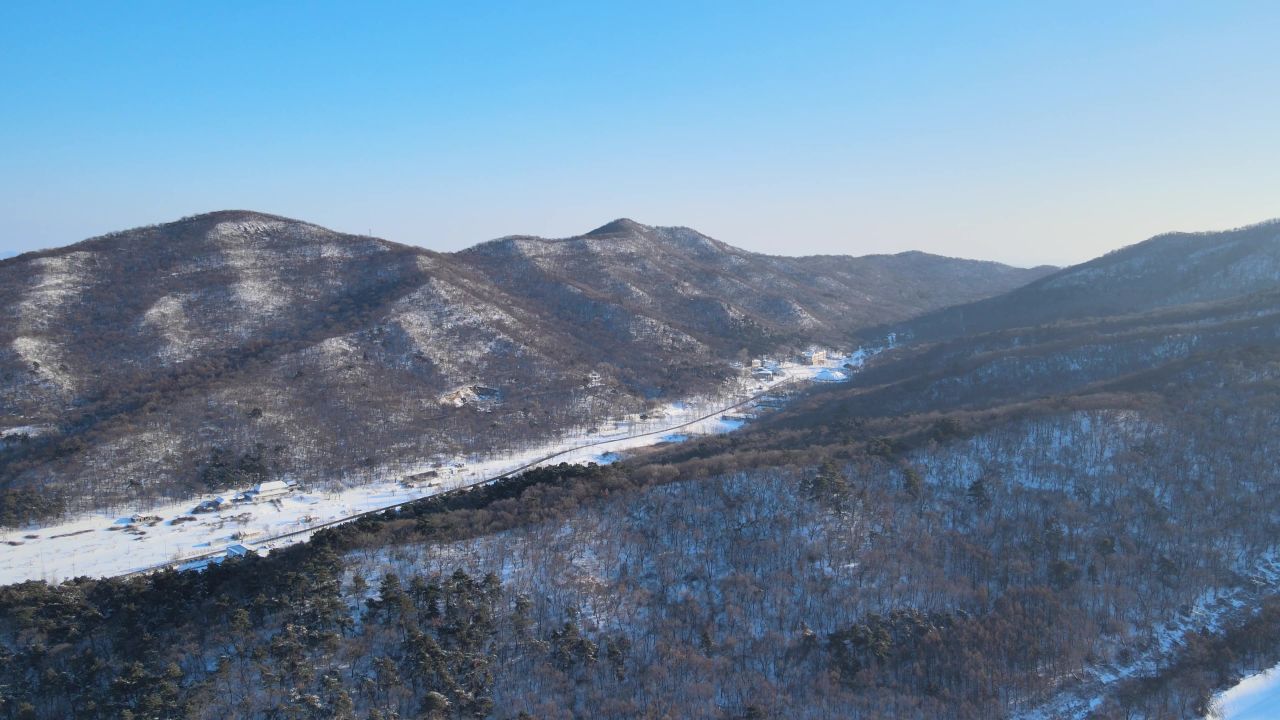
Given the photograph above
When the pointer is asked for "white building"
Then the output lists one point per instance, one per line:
(238, 550)
(270, 488)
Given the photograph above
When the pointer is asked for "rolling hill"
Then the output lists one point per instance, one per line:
(1164, 271)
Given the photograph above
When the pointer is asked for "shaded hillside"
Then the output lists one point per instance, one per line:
(146, 363)
(976, 372)
(1165, 271)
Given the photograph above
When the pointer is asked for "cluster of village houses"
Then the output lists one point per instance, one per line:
(765, 369)
(268, 490)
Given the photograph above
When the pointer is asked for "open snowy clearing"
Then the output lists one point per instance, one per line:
(1256, 697)
(102, 544)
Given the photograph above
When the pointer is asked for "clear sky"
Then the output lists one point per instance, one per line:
(1028, 132)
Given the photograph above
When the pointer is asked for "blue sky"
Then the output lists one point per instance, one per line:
(1022, 132)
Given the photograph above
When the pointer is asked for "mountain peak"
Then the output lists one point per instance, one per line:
(621, 226)
(232, 215)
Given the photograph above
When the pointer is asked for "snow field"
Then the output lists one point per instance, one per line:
(1256, 697)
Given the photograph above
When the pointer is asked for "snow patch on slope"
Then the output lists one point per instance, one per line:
(438, 316)
(168, 318)
(45, 359)
(60, 279)
(259, 289)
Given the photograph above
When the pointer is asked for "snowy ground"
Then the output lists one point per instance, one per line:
(100, 545)
(1257, 697)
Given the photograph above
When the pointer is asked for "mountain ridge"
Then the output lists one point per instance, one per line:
(1166, 270)
(146, 355)
(619, 226)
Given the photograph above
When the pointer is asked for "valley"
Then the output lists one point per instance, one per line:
(171, 536)
(230, 348)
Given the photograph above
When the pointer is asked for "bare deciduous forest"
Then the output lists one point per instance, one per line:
(957, 564)
(129, 362)
(1068, 520)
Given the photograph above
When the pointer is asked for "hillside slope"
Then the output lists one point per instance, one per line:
(236, 346)
(725, 295)
(1070, 521)
(1165, 271)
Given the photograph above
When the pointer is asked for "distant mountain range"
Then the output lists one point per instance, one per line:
(147, 362)
(1167, 270)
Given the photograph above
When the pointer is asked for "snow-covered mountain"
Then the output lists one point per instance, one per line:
(725, 296)
(157, 360)
(1068, 520)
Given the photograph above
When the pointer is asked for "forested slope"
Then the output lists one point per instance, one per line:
(1075, 519)
(135, 366)
(1165, 271)
(1094, 548)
